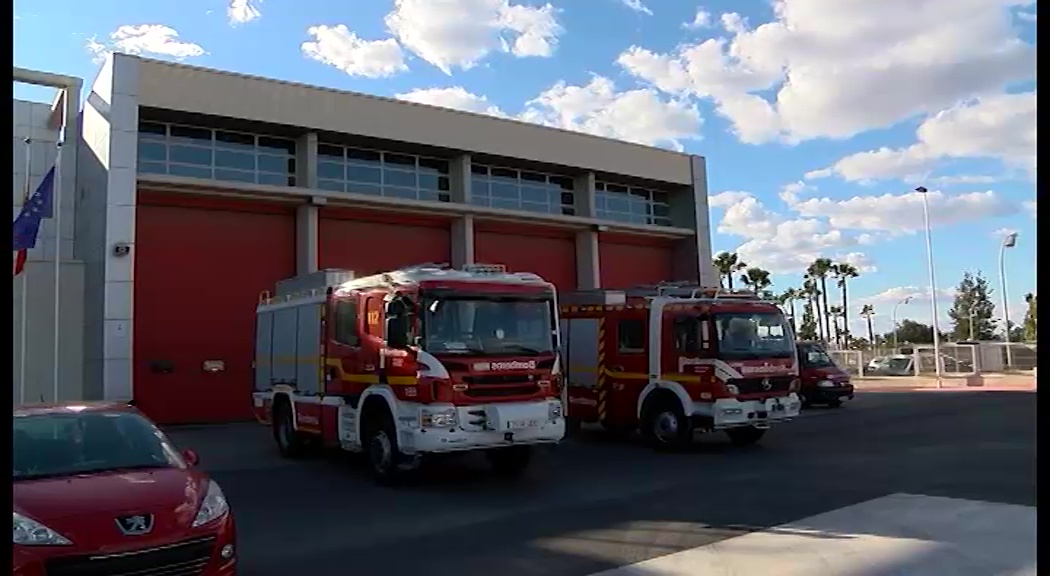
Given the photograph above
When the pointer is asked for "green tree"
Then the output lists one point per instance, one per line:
(913, 332)
(756, 279)
(787, 300)
(819, 270)
(973, 304)
(728, 263)
(867, 312)
(843, 273)
(1030, 318)
(809, 294)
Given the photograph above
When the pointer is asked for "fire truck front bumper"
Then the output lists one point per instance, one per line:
(484, 426)
(727, 413)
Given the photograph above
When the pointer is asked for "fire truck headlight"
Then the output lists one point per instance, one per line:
(440, 418)
(554, 411)
(732, 389)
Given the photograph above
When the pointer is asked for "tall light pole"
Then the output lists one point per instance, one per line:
(933, 282)
(1009, 241)
(906, 300)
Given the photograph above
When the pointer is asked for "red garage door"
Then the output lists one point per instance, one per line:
(199, 268)
(551, 253)
(369, 243)
(631, 261)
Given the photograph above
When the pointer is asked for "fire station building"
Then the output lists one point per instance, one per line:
(198, 189)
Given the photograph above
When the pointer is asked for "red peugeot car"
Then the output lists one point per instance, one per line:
(99, 490)
(823, 382)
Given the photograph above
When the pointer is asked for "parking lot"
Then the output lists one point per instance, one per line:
(595, 503)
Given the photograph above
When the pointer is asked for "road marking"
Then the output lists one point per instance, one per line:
(895, 534)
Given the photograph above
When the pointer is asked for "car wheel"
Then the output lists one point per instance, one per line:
(836, 403)
(665, 425)
(290, 443)
(512, 461)
(746, 435)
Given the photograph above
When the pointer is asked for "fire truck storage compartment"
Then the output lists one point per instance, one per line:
(200, 264)
(579, 346)
(549, 252)
(628, 261)
(288, 348)
(369, 242)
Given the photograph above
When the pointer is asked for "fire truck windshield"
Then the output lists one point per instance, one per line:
(754, 335)
(486, 325)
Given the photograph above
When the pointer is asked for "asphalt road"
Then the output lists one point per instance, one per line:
(594, 503)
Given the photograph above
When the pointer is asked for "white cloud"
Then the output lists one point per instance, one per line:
(961, 179)
(858, 260)
(640, 116)
(902, 213)
(701, 20)
(637, 6)
(147, 40)
(727, 199)
(1003, 233)
(1030, 207)
(338, 47)
(790, 192)
(1001, 127)
(460, 33)
(1027, 16)
(840, 68)
(456, 97)
(892, 296)
(242, 11)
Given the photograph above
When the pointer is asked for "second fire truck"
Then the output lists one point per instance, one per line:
(673, 359)
(422, 360)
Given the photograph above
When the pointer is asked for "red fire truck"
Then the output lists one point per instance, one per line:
(422, 360)
(673, 359)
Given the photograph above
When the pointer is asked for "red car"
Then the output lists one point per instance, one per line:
(99, 490)
(823, 382)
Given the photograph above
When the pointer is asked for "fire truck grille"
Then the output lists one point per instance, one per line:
(500, 385)
(188, 558)
(757, 385)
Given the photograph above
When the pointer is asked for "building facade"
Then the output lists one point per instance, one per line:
(199, 189)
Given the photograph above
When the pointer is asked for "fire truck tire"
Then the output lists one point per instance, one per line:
(382, 453)
(745, 436)
(665, 425)
(512, 461)
(290, 443)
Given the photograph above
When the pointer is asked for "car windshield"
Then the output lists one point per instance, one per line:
(754, 335)
(68, 444)
(814, 357)
(488, 326)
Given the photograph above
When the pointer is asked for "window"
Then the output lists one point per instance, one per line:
(374, 316)
(631, 204)
(754, 335)
(631, 335)
(215, 154)
(522, 190)
(346, 323)
(344, 169)
(690, 334)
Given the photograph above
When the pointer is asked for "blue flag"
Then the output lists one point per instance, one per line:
(39, 206)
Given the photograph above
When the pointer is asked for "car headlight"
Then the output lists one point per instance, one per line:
(826, 384)
(29, 532)
(213, 506)
(442, 418)
(732, 389)
(554, 411)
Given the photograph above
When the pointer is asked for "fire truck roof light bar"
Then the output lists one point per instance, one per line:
(665, 290)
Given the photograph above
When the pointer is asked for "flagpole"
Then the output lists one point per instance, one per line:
(57, 209)
(22, 304)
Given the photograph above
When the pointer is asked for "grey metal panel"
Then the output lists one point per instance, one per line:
(319, 281)
(285, 353)
(263, 350)
(582, 339)
(308, 374)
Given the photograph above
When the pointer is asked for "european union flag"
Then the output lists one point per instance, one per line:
(39, 206)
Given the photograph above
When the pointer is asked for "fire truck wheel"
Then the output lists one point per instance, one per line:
(381, 450)
(289, 442)
(745, 436)
(512, 461)
(665, 425)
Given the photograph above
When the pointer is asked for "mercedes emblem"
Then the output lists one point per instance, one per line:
(766, 384)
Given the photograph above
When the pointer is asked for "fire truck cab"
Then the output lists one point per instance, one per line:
(422, 360)
(673, 359)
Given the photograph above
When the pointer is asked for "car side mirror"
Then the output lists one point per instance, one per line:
(191, 458)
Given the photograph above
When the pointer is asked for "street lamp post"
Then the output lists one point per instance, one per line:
(895, 327)
(1009, 241)
(933, 282)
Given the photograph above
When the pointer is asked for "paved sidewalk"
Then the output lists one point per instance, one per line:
(986, 382)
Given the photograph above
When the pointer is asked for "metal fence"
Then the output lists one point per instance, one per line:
(955, 359)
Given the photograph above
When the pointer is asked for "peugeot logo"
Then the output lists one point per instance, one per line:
(766, 384)
(135, 525)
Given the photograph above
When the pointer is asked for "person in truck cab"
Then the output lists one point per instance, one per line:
(740, 335)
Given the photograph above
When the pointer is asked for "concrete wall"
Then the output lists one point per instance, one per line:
(31, 120)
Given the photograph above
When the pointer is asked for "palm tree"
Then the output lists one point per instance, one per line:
(728, 263)
(834, 315)
(867, 311)
(787, 299)
(756, 279)
(819, 270)
(844, 272)
(810, 292)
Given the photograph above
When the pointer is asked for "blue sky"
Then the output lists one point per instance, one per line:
(817, 117)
